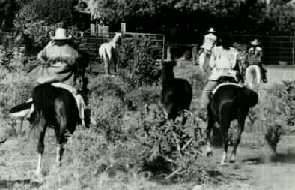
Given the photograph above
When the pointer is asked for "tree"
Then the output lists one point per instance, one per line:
(52, 11)
(7, 13)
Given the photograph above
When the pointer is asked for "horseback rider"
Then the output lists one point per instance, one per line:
(60, 63)
(255, 54)
(223, 63)
(208, 43)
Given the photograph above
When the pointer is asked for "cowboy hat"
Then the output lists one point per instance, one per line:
(211, 30)
(255, 42)
(60, 34)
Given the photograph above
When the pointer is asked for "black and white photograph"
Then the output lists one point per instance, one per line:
(147, 94)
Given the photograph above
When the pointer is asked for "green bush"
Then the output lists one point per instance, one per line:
(141, 60)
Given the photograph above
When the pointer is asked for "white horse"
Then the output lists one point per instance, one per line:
(253, 75)
(108, 53)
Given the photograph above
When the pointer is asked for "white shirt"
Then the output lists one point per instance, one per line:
(209, 41)
(222, 62)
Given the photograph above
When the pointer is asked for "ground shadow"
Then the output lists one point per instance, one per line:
(254, 161)
(8, 184)
(288, 158)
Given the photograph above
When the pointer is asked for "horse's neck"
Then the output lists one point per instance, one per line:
(167, 77)
(113, 43)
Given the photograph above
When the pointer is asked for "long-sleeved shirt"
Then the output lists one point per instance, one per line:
(60, 64)
(209, 41)
(223, 62)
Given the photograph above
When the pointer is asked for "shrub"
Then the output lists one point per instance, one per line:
(141, 62)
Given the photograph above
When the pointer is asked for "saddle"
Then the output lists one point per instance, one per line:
(225, 84)
(226, 81)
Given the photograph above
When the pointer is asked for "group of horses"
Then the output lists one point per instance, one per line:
(57, 107)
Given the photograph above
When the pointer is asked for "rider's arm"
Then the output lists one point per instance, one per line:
(42, 56)
(212, 61)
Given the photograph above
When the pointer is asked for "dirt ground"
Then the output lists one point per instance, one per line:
(255, 169)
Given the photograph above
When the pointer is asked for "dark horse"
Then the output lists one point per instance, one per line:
(230, 101)
(55, 107)
(176, 93)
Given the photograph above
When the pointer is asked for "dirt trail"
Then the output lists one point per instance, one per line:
(18, 160)
(254, 169)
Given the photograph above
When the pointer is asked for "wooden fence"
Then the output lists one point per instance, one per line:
(91, 44)
(277, 50)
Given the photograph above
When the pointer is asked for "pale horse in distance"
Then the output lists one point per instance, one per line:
(108, 53)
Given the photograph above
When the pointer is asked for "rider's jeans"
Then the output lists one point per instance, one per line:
(253, 69)
(211, 84)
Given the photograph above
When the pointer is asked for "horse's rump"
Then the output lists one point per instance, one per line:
(47, 98)
(239, 97)
(226, 85)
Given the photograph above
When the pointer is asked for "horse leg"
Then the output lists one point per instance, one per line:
(106, 66)
(40, 147)
(60, 137)
(60, 129)
(224, 126)
(115, 61)
(210, 125)
(241, 123)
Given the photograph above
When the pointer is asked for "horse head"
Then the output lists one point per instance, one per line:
(168, 63)
(117, 38)
(250, 96)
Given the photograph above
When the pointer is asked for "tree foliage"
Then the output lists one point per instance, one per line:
(51, 11)
(183, 20)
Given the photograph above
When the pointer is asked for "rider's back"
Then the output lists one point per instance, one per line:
(224, 58)
(209, 41)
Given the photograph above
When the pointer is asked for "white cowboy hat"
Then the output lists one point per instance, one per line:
(211, 30)
(255, 42)
(60, 34)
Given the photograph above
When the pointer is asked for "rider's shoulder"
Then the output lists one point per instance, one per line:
(233, 49)
(258, 48)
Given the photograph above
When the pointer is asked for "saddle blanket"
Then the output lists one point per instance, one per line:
(226, 84)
